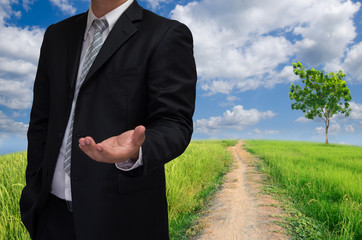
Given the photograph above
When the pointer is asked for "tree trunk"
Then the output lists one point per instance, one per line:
(327, 126)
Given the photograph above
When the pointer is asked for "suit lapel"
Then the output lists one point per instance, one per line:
(75, 41)
(120, 33)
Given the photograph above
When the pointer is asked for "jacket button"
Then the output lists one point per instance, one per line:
(75, 178)
(60, 135)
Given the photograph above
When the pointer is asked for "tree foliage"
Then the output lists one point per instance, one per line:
(323, 95)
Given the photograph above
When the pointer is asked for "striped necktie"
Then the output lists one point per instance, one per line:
(99, 26)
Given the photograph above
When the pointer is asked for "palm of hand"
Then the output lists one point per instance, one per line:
(119, 145)
(114, 149)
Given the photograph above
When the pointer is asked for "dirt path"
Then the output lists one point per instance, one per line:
(239, 210)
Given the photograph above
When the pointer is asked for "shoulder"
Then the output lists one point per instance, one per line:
(72, 19)
(66, 24)
(163, 26)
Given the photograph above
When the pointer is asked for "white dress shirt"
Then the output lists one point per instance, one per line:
(61, 181)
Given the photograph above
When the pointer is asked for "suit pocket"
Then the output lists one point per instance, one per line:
(128, 184)
(31, 191)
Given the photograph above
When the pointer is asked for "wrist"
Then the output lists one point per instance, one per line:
(135, 156)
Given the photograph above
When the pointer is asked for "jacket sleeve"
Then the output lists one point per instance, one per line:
(171, 91)
(39, 115)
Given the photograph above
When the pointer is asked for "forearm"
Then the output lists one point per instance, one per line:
(164, 143)
(171, 98)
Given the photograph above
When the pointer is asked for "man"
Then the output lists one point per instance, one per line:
(114, 96)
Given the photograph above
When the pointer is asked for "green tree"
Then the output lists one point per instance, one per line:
(323, 95)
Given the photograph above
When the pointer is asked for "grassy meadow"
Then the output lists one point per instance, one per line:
(12, 181)
(323, 182)
(191, 178)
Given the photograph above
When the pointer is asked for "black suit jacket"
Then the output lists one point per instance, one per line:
(144, 74)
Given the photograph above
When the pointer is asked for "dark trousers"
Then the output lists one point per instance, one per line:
(55, 221)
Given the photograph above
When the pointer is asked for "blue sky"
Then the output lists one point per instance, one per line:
(243, 51)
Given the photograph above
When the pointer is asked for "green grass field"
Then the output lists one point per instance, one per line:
(12, 181)
(191, 178)
(323, 181)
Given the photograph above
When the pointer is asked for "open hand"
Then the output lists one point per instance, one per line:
(115, 149)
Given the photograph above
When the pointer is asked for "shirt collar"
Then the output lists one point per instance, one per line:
(111, 17)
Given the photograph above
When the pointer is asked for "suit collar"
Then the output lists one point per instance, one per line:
(134, 12)
(75, 41)
(110, 17)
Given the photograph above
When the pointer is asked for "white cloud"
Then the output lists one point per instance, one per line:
(319, 130)
(286, 75)
(333, 129)
(15, 94)
(155, 3)
(6, 10)
(218, 86)
(8, 125)
(266, 132)
(352, 63)
(18, 67)
(244, 45)
(356, 112)
(230, 101)
(303, 119)
(238, 118)
(16, 114)
(19, 51)
(349, 128)
(65, 6)
(26, 4)
(327, 30)
(20, 43)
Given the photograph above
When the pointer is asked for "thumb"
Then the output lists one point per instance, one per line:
(138, 136)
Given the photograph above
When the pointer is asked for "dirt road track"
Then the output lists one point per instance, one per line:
(239, 210)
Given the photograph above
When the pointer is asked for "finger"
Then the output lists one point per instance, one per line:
(82, 142)
(88, 146)
(138, 136)
(99, 147)
(90, 142)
